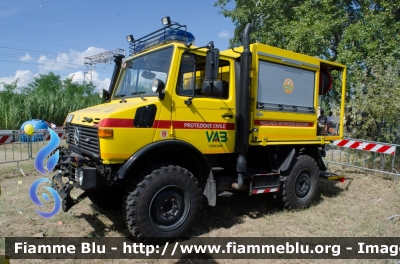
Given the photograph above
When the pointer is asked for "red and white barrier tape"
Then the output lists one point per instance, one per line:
(61, 134)
(368, 146)
(6, 139)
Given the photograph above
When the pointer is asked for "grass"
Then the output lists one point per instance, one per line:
(359, 207)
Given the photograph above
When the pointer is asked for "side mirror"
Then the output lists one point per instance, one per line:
(216, 89)
(158, 86)
(103, 94)
(212, 64)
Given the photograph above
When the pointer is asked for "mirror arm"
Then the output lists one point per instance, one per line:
(233, 49)
(209, 46)
(161, 95)
(188, 102)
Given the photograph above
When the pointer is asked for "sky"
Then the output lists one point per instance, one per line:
(39, 36)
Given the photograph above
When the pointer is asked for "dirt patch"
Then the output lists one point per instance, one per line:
(358, 207)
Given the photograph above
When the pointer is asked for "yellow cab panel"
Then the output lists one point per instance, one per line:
(203, 114)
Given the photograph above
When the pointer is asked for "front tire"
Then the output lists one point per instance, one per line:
(164, 205)
(299, 185)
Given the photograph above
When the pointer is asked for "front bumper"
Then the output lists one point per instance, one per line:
(64, 190)
(73, 168)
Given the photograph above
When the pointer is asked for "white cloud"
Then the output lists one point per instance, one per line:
(223, 34)
(100, 84)
(26, 57)
(66, 61)
(76, 76)
(24, 77)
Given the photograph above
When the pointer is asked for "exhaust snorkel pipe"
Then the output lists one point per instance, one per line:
(117, 68)
(243, 110)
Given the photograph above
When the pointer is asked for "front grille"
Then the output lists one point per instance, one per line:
(84, 138)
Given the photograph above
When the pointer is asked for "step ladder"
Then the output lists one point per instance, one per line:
(264, 183)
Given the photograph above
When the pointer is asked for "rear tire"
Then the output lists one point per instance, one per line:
(164, 205)
(299, 185)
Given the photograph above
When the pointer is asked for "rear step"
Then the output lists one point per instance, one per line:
(267, 190)
(265, 183)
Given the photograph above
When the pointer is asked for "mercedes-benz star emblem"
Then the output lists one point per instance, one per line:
(76, 136)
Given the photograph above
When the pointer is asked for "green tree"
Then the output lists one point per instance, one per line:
(47, 97)
(48, 83)
(363, 35)
(375, 100)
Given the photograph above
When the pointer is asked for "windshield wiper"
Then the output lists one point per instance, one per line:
(140, 95)
(120, 96)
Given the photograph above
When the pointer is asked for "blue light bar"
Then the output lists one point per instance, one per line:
(177, 35)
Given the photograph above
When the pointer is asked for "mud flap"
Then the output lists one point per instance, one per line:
(210, 190)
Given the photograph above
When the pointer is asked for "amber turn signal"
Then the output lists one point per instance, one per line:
(105, 132)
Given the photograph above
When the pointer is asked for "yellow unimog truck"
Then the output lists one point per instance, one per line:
(183, 125)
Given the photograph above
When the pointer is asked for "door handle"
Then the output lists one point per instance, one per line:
(227, 115)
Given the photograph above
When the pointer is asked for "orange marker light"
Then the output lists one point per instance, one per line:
(105, 132)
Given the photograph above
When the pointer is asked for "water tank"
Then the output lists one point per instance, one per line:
(37, 125)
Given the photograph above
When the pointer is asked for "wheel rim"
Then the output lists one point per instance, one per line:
(169, 208)
(303, 184)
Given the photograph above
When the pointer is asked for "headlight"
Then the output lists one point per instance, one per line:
(68, 119)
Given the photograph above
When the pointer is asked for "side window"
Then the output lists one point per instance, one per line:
(191, 80)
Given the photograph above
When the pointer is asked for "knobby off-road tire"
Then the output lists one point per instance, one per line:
(165, 204)
(107, 198)
(299, 185)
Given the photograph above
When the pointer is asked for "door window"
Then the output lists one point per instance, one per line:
(191, 80)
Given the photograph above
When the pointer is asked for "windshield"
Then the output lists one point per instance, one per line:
(139, 73)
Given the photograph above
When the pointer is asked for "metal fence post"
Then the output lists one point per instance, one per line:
(357, 149)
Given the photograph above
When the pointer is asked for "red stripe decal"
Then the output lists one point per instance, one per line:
(116, 122)
(203, 125)
(165, 124)
(3, 139)
(282, 123)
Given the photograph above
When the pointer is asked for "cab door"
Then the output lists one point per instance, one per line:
(203, 113)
